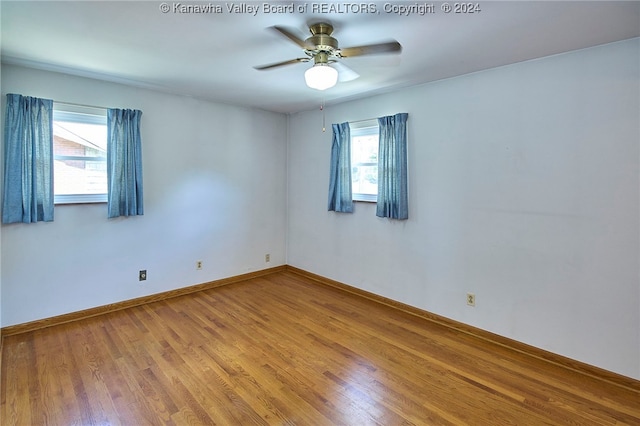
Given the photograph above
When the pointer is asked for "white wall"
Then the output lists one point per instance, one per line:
(524, 189)
(1, 174)
(523, 185)
(214, 186)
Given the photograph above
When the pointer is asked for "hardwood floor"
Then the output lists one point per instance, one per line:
(283, 350)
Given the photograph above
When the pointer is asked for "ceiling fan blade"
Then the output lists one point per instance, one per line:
(288, 34)
(371, 49)
(280, 64)
(344, 72)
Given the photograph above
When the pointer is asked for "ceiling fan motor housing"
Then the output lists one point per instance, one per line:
(321, 37)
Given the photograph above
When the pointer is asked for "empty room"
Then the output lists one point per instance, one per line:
(320, 213)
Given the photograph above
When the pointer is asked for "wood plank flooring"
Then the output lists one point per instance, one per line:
(284, 350)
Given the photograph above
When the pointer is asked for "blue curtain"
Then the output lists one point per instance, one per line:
(392, 167)
(124, 163)
(28, 160)
(340, 199)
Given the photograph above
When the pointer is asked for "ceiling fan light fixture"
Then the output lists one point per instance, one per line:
(321, 76)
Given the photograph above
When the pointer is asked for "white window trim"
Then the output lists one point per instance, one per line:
(363, 128)
(79, 198)
(79, 114)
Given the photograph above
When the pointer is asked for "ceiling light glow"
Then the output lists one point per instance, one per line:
(321, 76)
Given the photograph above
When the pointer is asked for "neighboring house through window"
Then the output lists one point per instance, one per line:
(79, 154)
(364, 160)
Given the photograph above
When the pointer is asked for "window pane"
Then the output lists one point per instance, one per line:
(364, 149)
(80, 151)
(364, 164)
(80, 177)
(365, 179)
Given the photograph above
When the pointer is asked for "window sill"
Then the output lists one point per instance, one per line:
(79, 203)
(367, 198)
(79, 199)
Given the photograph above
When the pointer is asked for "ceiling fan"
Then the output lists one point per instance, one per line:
(324, 50)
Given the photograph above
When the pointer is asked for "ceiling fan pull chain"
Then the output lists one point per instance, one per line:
(323, 116)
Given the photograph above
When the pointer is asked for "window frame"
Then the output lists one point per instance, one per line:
(363, 128)
(85, 115)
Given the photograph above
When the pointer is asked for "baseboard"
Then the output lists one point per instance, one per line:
(559, 360)
(100, 310)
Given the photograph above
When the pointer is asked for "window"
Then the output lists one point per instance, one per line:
(364, 160)
(79, 154)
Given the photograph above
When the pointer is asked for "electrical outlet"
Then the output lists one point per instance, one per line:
(142, 276)
(267, 257)
(471, 299)
(199, 264)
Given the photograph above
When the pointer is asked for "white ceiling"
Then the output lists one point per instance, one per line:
(211, 55)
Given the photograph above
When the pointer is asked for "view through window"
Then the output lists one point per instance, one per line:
(364, 160)
(80, 155)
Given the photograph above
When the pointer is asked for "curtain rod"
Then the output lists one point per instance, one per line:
(364, 120)
(78, 105)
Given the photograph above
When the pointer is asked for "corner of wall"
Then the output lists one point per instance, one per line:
(286, 197)
(2, 105)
